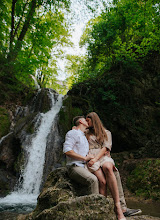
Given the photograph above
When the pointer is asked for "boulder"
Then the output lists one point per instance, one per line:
(65, 199)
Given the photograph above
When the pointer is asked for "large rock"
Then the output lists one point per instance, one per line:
(63, 199)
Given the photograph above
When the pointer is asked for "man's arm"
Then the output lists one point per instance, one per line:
(76, 156)
(70, 141)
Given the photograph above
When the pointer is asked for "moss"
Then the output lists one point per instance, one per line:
(28, 96)
(30, 128)
(145, 179)
(5, 122)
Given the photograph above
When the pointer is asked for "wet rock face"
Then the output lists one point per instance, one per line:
(60, 198)
(42, 102)
(9, 152)
(7, 182)
(54, 156)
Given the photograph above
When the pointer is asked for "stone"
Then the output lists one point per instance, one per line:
(65, 199)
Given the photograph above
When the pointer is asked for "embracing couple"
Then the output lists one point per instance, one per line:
(87, 147)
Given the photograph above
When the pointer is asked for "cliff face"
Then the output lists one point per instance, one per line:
(127, 101)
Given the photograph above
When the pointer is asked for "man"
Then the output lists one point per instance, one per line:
(76, 148)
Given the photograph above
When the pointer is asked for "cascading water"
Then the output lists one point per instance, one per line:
(25, 197)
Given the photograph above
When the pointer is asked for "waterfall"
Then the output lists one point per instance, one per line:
(29, 189)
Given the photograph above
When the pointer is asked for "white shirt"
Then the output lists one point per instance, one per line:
(75, 140)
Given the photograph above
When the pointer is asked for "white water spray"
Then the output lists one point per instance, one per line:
(33, 172)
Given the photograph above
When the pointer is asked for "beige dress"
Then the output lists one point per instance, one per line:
(94, 148)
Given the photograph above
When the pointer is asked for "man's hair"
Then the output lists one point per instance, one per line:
(76, 120)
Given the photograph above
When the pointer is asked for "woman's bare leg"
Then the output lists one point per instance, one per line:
(112, 184)
(102, 181)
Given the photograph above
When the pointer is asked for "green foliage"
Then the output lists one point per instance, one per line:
(31, 33)
(76, 69)
(126, 33)
(144, 180)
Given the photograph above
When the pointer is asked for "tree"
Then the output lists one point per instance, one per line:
(30, 29)
(127, 31)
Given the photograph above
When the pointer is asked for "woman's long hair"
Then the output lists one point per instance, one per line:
(98, 129)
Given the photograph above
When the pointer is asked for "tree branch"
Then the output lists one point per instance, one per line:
(28, 19)
(12, 24)
(12, 55)
(16, 29)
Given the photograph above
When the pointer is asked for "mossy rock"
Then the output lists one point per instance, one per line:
(5, 121)
(26, 123)
(59, 199)
(19, 162)
(7, 182)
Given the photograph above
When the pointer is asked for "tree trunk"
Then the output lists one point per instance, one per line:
(13, 53)
(12, 24)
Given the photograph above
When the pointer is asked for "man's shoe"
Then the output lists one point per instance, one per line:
(131, 212)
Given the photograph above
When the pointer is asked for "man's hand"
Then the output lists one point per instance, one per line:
(91, 162)
(89, 157)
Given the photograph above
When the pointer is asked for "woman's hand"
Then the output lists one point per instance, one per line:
(91, 162)
(89, 157)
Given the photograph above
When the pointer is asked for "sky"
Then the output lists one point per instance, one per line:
(80, 16)
(75, 50)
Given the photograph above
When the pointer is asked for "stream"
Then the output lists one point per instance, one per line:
(148, 208)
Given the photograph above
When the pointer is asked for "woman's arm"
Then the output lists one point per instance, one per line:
(108, 143)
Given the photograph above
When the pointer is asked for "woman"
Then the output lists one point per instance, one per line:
(100, 143)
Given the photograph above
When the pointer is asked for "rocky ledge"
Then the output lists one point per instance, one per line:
(63, 199)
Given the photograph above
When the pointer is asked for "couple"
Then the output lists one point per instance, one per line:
(89, 161)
